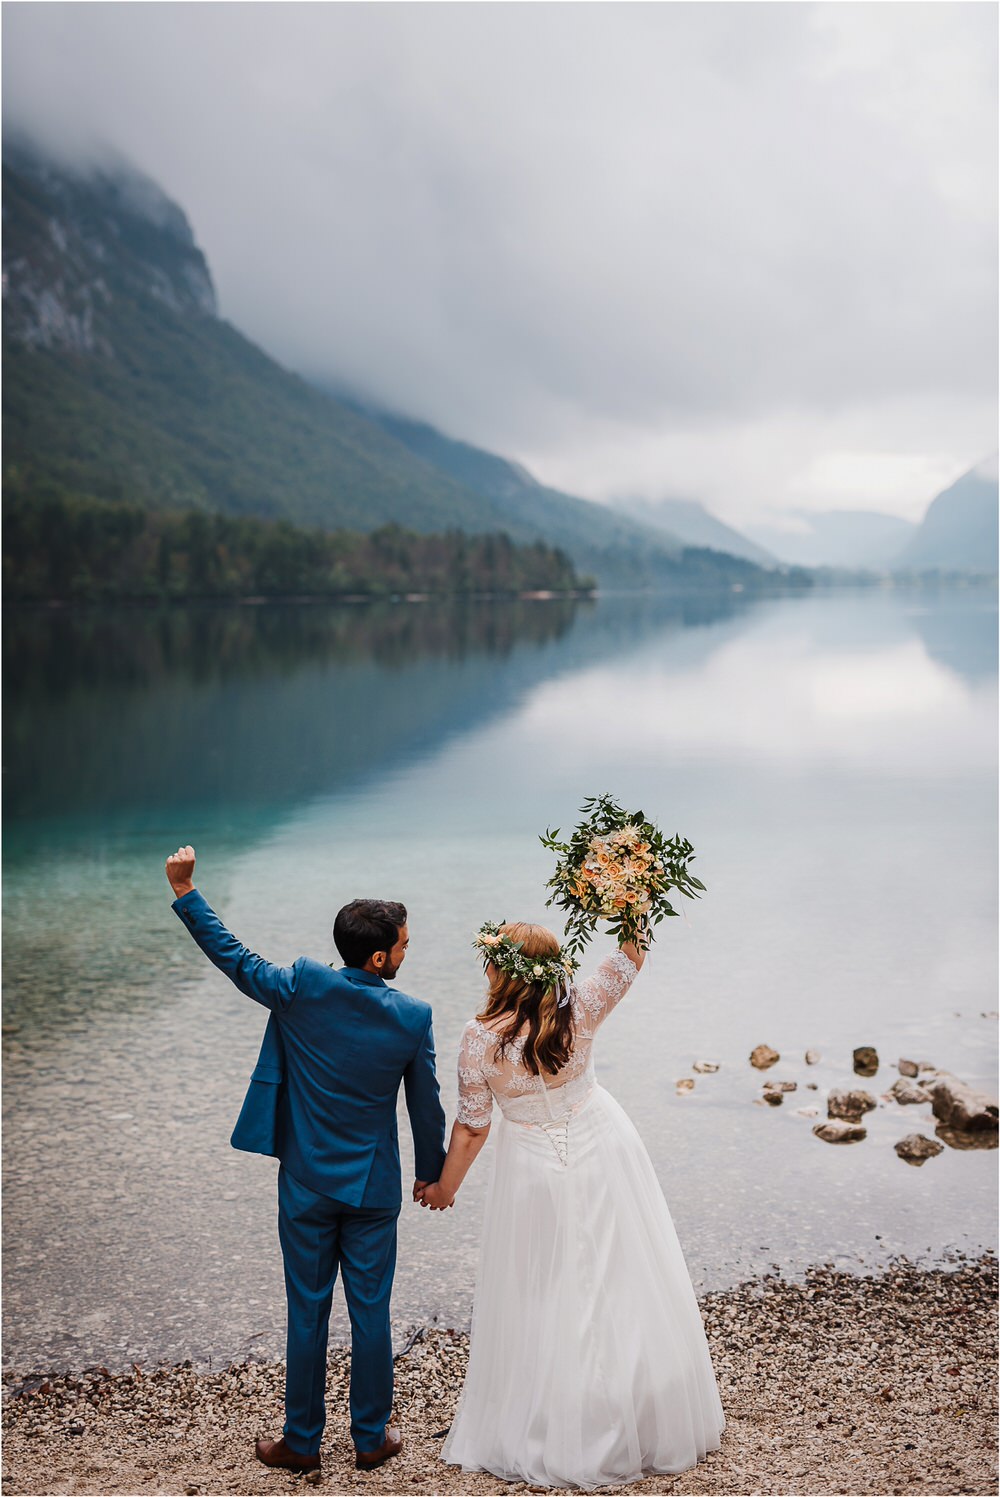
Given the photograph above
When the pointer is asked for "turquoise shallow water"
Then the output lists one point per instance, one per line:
(832, 758)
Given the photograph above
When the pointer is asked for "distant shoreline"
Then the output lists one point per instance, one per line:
(287, 600)
(927, 582)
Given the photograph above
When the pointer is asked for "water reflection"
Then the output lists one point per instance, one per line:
(116, 715)
(959, 632)
(55, 653)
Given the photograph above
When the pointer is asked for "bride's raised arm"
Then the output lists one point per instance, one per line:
(606, 989)
(636, 954)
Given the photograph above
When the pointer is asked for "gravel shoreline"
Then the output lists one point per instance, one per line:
(836, 1384)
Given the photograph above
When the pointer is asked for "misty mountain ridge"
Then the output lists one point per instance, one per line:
(694, 525)
(511, 484)
(486, 472)
(960, 531)
(850, 538)
(124, 384)
(84, 235)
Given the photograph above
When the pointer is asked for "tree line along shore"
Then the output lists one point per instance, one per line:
(61, 547)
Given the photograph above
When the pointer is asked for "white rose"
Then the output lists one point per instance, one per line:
(538, 971)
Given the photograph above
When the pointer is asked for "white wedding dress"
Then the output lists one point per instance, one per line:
(588, 1363)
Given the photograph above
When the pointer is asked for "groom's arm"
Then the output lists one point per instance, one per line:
(423, 1103)
(260, 980)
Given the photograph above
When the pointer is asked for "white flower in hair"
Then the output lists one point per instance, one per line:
(497, 949)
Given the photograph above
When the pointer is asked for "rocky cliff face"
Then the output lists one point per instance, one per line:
(81, 245)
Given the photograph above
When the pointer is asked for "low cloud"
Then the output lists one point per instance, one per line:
(735, 252)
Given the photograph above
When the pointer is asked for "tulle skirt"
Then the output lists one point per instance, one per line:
(588, 1363)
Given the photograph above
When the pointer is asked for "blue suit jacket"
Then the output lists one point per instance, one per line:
(337, 1045)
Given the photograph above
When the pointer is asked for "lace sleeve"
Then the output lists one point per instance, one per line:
(606, 989)
(475, 1100)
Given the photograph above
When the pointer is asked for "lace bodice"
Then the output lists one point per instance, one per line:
(522, 1096)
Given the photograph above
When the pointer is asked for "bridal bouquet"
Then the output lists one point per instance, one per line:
(619, 867)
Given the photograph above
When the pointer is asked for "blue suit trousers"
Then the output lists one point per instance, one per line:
(318, 1235)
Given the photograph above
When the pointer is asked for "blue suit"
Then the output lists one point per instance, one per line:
(322, 1098)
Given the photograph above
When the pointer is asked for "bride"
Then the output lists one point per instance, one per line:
(588, 1363)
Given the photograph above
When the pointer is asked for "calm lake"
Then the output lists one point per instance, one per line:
(832, 757)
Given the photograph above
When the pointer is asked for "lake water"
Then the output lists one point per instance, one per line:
(832, 757)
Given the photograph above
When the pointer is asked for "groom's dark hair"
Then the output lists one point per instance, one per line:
(365, 926)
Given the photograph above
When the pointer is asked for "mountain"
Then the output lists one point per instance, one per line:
(694, 525)
(853, 538)
(959, 532)
(600, 540)
(122, 383)
(483, 471)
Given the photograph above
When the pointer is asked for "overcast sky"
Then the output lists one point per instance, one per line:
(740, 253)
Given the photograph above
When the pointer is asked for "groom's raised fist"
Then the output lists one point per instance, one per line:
(180, 871)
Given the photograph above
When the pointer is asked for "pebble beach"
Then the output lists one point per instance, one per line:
(833, 1383)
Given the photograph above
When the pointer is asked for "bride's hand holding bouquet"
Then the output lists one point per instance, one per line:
(620, 868)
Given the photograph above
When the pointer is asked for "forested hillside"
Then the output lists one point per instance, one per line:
(122, 385)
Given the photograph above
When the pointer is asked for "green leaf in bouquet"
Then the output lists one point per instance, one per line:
(588, 879)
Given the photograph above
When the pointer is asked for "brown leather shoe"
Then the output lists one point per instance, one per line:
(277, 1453)
(367, 1460)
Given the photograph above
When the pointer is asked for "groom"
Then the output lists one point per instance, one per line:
(323, 1099)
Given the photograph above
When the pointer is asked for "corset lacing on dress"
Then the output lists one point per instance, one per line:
(523, 1097)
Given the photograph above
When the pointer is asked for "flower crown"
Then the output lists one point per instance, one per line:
(497, 947)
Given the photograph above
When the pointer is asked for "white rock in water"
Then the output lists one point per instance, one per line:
(685, 1084)
(705, 1067)
(813, 1057)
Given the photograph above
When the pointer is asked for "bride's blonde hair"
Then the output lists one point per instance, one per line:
(549, 1040)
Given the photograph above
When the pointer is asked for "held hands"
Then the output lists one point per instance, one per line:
(180, 871)
(432, 1195)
